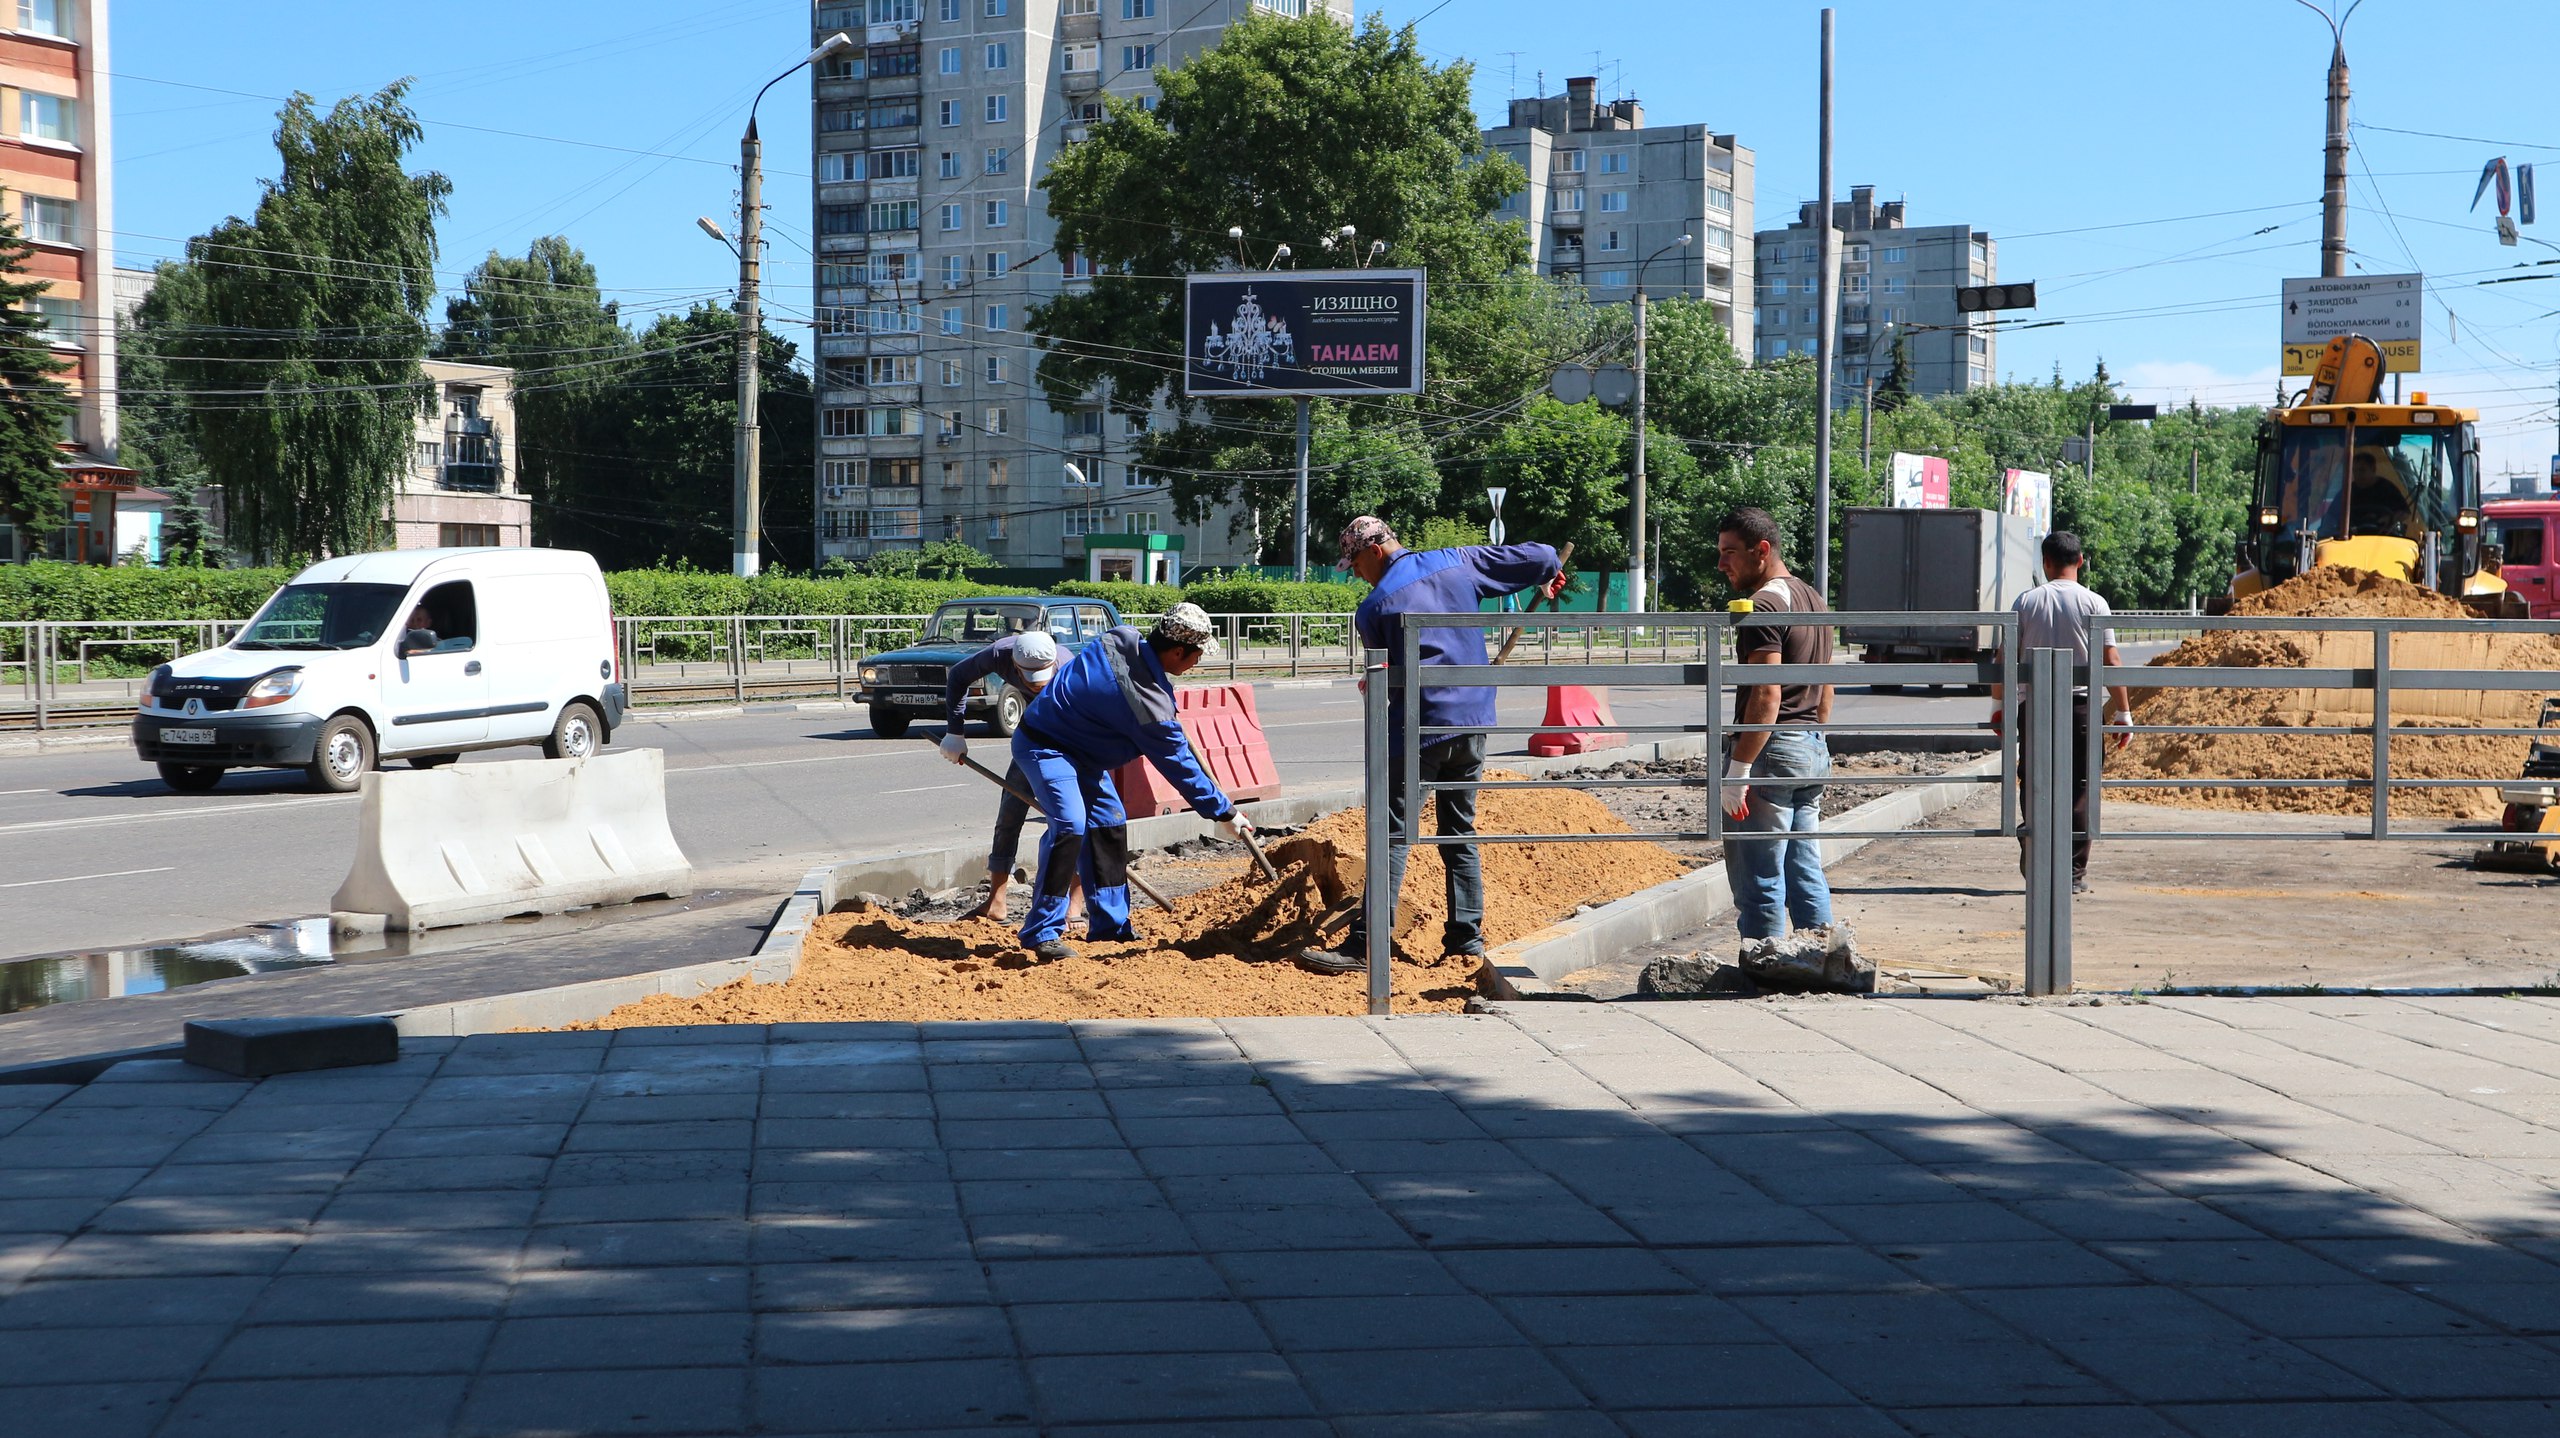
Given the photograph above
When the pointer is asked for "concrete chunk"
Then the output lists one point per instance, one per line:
(255, 1048)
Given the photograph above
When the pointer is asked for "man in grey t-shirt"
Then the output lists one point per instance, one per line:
(2056, 615)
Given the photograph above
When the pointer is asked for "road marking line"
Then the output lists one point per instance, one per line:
(924, 789)
(96, 820)
(76, 878)
(778, 763)
(11, 793)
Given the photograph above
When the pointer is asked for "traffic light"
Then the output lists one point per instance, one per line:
(1972, 299)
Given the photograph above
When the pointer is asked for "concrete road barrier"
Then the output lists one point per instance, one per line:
(469, 843)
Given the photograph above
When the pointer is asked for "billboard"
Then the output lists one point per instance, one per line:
(1302, 332)
(2029, 492)
(1919, 481)
(2387, 309)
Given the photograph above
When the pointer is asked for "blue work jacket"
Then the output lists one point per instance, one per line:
(1448, 581)
(1112, 703)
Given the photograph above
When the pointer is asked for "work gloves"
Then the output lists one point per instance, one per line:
(955, 748)
(1555, 586)
(1736, 797)
(1235, 826)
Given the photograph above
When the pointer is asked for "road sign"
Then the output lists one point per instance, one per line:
(1571, 384)
(2133, 411)
(2387, 309)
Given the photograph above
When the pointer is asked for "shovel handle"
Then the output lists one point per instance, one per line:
(1255, 845)
(992, 777)
(1564, 557)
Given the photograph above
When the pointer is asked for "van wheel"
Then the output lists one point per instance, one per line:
(342, 755)
(431, 761)
(578, 735)
(1007, 716)
(191, 778)
(889, 723)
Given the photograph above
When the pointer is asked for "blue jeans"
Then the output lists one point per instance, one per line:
(1775, 881)
(1087, 838)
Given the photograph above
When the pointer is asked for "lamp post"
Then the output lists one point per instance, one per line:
(746, 496)
(1635, 508)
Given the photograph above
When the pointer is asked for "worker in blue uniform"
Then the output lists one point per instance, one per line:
(1026, 662)
(1433, 581)
(1110, 704)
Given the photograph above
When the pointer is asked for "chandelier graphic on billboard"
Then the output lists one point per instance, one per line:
(1303, 332)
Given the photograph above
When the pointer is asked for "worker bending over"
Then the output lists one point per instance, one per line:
(1110, 704)
(1433, 581)
(1025, 662)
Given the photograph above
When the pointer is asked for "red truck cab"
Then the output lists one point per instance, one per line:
(2522, 528)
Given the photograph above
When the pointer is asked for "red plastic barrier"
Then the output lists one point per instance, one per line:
(1573, 713)
(1226, 733)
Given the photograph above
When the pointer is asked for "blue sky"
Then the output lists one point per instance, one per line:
(2126, 156)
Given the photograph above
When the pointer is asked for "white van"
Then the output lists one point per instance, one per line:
(418, 654)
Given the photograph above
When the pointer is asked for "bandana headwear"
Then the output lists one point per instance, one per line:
(1185, 624)
(1359, 534)
(1036, 655)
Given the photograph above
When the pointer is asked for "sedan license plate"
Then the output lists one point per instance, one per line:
(917, 701)
(186, 736)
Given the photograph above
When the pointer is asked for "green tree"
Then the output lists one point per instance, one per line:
(152, 430)
(186, 535)
(544, 317)
(939, 559)
(1567, 468)
(307, 324)
(33, 403)
(1289, 128)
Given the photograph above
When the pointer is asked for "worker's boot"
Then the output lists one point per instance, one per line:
(1351, 958)
(1050, 951)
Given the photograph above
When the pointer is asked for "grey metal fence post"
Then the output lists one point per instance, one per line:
(1377, 900)
(1408, 674)
(738, 656)
(2047, 745)
(41, 653)
(2381, 729)
(2097, 723)
(2012, 715)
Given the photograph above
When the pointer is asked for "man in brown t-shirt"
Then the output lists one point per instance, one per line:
(1773, 779)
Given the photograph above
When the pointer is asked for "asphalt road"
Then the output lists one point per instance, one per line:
(95, 852)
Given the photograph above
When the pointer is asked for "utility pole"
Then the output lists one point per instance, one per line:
(1301, 524)
(1826, 336)
(2191, 469)
(746, 496)
(2333, 174)
(1867, 425)
(1635, 495)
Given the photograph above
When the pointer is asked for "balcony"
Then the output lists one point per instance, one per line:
(472, 457)
(1566, 219)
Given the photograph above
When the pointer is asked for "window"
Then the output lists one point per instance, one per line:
(996, 419)
(997, 317)
(999, 55)
(1897, 284)
(893, 12)
(1854, 284)
(951, 474)
(893, 369)
(892, 215)
(1977, 344)
(951, 218)
(1857, 254)
(843, 65)
(1612, 240)
(997, 263)
(995, 369)
(1977, 375)
(1084, 424)
(840, 473)
(948, 62)
(1137, 9)
(1720, 201)
(838, 373)
(1091, 519)
(840, 423)
(995, 7)
(50, 220)
(1137, 57)
(44, 17)
(1569, 161)
(951, 376)
(950, 422)
(950, 113)
(955, 271)
(467, 536)
(998, 158)
(1080, 57)
(1081, 7)
(1896, 254)
(840, 17)
(1613, 162)
(999, 472)
(1569, 201)
(998, 212)
(836, 119)
(1720, 238)
(950, 168)
(839, 320)
(895, 473)
(1143, 521)
(1778, 289)
(835, 166)
(952, 321)
(1808, 316)
(839, 219)
(887, 60)
(835, 274)
(999, 107)
(951, 10)
(898, 317)
(1075, 266)
(895, 113)
(1774, 318)
(1982, 252)
(1613, 202)
(901, 523)
(896, 164)
(1282, 7)
(995, 524)
(888, 421)
(1147, 102)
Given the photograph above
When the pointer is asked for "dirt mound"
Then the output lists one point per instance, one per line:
(1226, 951)
(2340, 594)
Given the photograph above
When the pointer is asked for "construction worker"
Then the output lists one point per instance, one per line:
(1026, 662)
(1434, 581)
(1774, 778)
(2056, 615)
(1110, 704)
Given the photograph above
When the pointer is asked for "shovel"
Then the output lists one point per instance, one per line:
(1564, 557)
(992, 777)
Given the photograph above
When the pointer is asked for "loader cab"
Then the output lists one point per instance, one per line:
(2391, 489)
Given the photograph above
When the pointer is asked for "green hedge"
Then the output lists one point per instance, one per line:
(678, 592)
(1124, 596)
(45, 590)
(1276, 596)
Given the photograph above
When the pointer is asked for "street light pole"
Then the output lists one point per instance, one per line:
(1636, 479)
(746, 495)
(1825, 334)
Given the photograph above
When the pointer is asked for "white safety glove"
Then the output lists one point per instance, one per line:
(955, 748)
(1737, 797)
(1235, 826)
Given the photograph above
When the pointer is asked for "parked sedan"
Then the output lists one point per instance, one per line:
(904, 684)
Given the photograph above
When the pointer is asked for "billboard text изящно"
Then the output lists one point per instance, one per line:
(1306, 332)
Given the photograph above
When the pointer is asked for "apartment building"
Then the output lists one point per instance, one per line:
(462, 488)
(1895, 280)
(57, 186)
(933, 244)
(1608, 200)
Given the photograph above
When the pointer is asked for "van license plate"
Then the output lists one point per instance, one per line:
(186, 736)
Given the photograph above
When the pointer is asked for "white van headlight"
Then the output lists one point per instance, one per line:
(273, 689)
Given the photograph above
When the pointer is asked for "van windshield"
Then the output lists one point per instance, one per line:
(323, 616)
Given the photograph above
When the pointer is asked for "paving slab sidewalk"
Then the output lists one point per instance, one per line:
(2203, 1216)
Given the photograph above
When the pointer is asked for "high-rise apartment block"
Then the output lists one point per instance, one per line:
(57, 183)
(1608, 200)
(1895, 282)
(934, 241)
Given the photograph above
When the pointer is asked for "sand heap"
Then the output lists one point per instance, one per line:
(1225, 951)
(2335, 593)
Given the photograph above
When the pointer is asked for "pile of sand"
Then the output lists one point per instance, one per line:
(2335, 593)
(1227, 949)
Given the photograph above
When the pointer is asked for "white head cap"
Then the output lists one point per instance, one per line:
(1036, 655)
